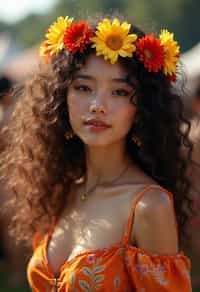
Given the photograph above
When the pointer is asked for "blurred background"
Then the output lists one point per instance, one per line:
(22, 27)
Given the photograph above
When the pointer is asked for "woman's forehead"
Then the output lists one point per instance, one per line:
(97, 66)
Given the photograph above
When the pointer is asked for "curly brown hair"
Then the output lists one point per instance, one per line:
(40, 165)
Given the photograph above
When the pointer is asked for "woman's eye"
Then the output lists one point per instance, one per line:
(121, 92)
(84, 88)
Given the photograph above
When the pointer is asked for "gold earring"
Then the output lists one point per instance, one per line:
(69, 134)
(136, 140)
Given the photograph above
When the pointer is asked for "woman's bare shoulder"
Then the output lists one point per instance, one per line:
(155, 223)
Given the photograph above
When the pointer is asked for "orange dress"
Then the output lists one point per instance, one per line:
(120, 267)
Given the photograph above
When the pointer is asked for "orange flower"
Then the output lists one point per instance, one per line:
(151, 53)
(45, 52)
(77, 36)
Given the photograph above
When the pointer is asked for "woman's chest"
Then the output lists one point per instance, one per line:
(91, 225)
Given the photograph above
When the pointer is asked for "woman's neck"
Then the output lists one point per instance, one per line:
(105, 163)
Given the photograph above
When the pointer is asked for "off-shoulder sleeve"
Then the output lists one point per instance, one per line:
(150, 272)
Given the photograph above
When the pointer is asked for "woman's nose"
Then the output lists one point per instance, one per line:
(98, 105)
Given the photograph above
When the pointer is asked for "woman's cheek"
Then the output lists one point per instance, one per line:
(128, 114)
(77, 112)
(74, 105)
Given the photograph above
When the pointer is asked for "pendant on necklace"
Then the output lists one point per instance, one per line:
(83, 197)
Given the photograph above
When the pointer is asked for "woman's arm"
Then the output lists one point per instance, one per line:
(154, 225)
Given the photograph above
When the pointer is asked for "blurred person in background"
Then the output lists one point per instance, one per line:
(5, 85)
(192, 111)
(5, 101)
(11, 254)
(196, 98)
(94, 157)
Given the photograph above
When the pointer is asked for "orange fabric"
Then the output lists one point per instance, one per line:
(119, 267)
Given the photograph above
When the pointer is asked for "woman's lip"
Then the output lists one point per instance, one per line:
(97, 125)
(95, 128)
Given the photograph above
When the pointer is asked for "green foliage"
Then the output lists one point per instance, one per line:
(187, 26)
(3, 26)
(30, 30)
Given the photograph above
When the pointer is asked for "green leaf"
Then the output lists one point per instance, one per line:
(99, 278)
(99, 269)
(84, 285)
(99, 260)
(117, 282)
(72, 278)
(98, 286)
(87, 271)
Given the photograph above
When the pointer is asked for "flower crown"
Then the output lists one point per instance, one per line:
(112, 39)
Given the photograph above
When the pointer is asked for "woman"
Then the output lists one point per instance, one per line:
(94, 156)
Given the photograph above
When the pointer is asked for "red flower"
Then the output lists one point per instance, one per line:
(77, 36)
(172, 77)
(151, 53)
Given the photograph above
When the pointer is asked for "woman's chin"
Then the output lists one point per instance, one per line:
(96, 141)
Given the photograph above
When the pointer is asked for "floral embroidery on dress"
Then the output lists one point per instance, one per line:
(142, 269)
(120, 269)
(157, 271)
(94, 273)
(186, 273)
(117, 282)
(72, 278)
(121, 251)
(127, 260)
(91, 259)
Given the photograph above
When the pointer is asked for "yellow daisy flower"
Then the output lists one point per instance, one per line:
(171, 52)
(112, 40)
(56, 32)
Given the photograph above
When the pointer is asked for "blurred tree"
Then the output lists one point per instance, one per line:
(4, 26)
(114, 4)
(76, 7)
(30, 30)
(179, 16)
(187, 26)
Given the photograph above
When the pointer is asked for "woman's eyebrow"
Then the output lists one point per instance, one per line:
(89, 77)
(121, 80)
(83, 76)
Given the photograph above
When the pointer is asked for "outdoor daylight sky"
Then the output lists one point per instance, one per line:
(13, 10)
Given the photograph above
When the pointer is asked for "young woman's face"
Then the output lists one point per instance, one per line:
(100, 91)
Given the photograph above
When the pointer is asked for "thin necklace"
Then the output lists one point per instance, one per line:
(87, 192)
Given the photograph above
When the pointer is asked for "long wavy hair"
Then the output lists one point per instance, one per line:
(39, 165)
